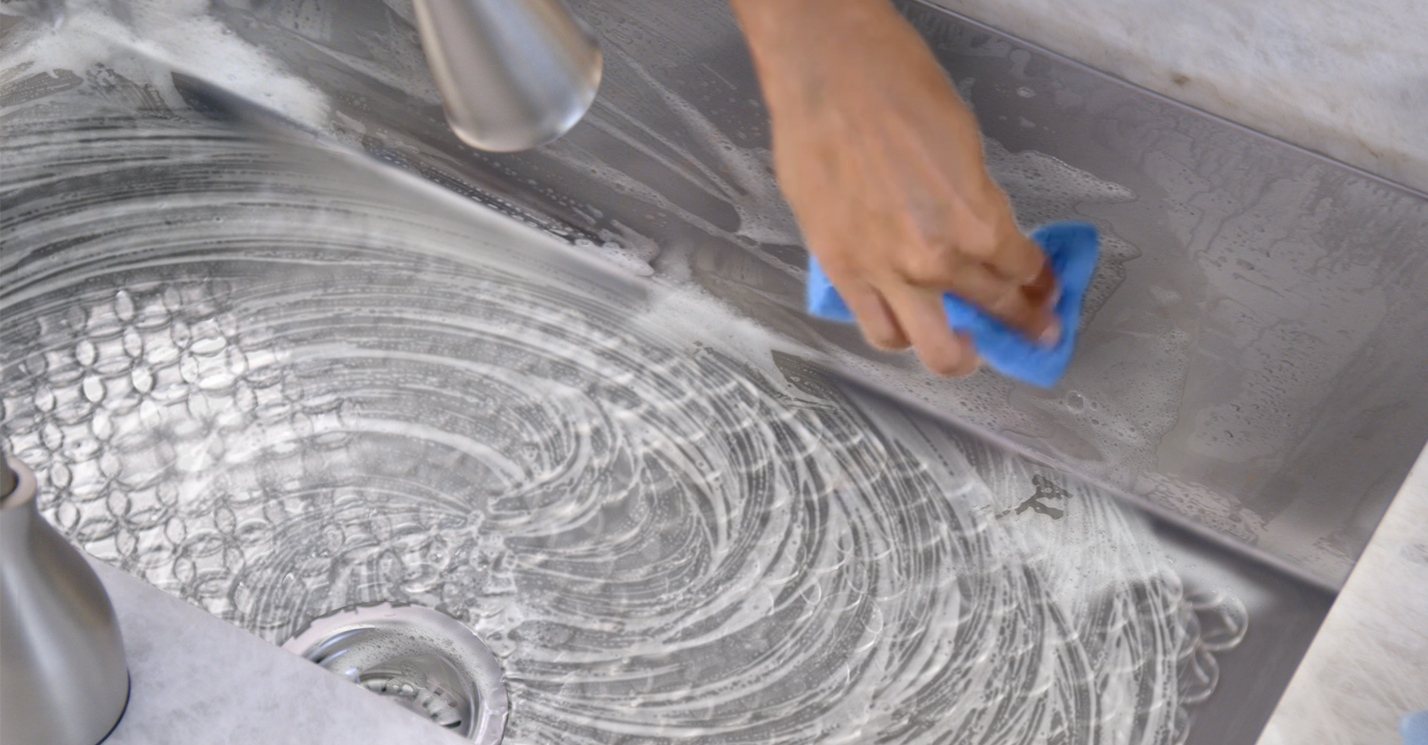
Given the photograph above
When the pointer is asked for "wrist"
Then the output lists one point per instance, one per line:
(780, 31)
(765, 16)
(804, 50)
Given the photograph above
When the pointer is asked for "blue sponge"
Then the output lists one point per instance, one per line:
(1414, 728)
(1071, 249)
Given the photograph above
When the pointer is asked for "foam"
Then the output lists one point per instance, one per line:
(182, 35)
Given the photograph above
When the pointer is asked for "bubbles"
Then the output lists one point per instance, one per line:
(665, 528)
(95, 40)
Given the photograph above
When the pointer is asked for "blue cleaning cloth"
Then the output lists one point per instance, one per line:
(1414, 728)
(1071, 250)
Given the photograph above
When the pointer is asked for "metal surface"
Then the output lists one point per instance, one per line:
(1285, 617)
(63, 679)
(1251, 363)
(276, 387)
(252, 406)
(513, 75)
(44, 11)
(419, 658)
(8, 477)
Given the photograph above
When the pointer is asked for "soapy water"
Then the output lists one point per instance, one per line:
(718, 181)
(681, 158)
(274, 394)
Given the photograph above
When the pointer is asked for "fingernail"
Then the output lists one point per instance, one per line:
(1051, 335)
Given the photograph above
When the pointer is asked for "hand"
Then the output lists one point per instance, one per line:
(882, 164)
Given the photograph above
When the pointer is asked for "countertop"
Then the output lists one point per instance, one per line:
(1368, 666)
(198, 680)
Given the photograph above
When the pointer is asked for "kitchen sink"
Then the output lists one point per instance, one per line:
(282, 347)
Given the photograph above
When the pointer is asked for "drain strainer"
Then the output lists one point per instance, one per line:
(420, 658)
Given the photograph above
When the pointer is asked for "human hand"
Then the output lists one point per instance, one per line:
(882, 164)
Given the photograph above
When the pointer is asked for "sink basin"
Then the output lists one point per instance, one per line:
(260, 367)
(276, 379)
(1249, 366)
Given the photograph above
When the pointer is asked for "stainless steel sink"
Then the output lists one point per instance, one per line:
(1250, 364)
(567, 396)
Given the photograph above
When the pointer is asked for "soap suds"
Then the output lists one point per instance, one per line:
(275, 393)
(179, 35)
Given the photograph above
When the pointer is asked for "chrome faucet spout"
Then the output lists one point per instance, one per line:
(63, 678)
(513, 74)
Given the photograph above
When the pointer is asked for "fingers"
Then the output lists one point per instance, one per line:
(875, 318)
(1024, 300)
(1017, 259)
(919, 312)
(912, 316)
(1026, 308)
(998, 244)
(921, 316)
(1043, 291)
(901, 314)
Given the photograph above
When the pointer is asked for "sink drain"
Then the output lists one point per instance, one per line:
(423, 660)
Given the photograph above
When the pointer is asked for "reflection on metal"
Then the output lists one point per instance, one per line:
(1251, 363)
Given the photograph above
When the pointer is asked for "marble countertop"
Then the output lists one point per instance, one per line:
(1347, 79)
(198, 680)
(1368, 666)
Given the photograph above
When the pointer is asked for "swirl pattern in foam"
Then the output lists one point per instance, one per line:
(273, 394)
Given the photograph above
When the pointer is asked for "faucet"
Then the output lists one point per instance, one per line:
(513, 74)
(63, 678)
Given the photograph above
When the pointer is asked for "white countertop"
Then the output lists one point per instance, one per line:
(1345, 78)
(198, 680)
(1368, 666)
